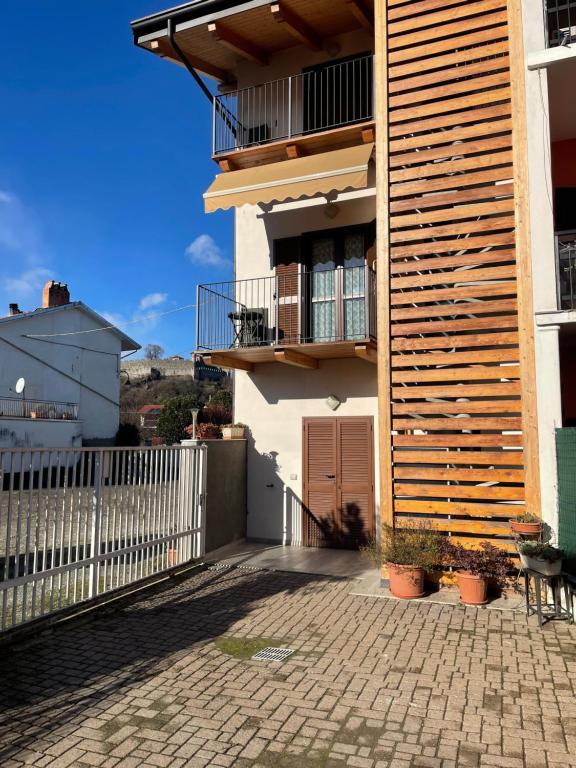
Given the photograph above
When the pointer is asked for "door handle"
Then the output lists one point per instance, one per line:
(331, 477)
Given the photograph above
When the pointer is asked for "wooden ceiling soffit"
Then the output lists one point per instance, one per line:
(296, 26)
(361, 14)
(237, 44)
(293, 357)
(165, 52)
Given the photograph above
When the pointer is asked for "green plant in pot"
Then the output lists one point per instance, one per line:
(407, 553)
(526, 525)
(543, 558)
(476, 568)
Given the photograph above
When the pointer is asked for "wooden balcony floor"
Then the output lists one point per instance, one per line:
(299, 355)
(307, 144)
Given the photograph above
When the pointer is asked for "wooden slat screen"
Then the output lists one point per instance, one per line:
(456, 403)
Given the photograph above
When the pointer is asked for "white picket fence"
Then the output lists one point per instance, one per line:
(77, 523)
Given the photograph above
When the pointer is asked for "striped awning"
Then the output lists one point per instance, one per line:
(303, 177)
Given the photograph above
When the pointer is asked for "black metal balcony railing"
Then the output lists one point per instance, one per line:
(17, 408)
(566, 269)
(319, 100)
(560, 22)
(304, 308)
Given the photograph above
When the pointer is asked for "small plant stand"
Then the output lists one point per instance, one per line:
(537, 601)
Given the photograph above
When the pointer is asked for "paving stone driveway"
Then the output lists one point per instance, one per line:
(374, 683)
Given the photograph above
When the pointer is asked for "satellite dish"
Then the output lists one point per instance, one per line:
(20, 384)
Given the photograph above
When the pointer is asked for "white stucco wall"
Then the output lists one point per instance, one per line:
(76, 369)
(273, 401)
(33, 433)
(255, 231)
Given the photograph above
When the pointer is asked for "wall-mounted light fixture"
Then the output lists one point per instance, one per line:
(331, 211)
(333, 402)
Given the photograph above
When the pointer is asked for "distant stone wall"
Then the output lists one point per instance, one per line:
(142, 369)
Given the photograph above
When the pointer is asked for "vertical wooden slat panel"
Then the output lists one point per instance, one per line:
(451, 142)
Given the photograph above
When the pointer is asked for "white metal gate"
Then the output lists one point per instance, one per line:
(77, 523)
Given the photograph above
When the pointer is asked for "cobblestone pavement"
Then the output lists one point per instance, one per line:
(373, 683)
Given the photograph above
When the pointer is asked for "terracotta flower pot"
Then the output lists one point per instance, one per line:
(406, 581)
(473, 589)
(526, 529)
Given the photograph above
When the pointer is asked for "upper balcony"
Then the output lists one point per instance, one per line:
(560, 22)
(328, 105)
(297, 318)
(251, 49)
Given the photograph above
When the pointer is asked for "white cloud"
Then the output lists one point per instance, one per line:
(152, 300)
(204, 250)
(20, 287)
(140, 323)
(22, 256)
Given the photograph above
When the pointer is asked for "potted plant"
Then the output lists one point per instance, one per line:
(527, 525)
(408, 553)
(476, 568)
(543, 558)
(233, 431)
(207, 432)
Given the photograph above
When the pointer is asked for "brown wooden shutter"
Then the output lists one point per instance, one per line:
(338, 481)
(320, 461)
(355, 491)
(287, 265)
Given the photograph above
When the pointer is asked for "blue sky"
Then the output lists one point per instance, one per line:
(104, 156)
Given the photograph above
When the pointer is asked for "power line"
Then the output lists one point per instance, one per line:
(152, 316)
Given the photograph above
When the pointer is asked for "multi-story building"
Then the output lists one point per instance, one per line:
(399, 173)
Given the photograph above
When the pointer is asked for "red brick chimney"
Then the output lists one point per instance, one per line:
(55, 294)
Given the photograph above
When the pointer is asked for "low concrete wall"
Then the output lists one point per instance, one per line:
(226, 492)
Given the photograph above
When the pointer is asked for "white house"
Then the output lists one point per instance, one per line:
(71, 378)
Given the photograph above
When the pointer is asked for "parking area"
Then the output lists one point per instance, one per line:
(167, 680)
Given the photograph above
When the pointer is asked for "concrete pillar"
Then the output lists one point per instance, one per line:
(549, 417)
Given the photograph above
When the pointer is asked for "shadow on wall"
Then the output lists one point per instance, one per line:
(288, 515)
(351, 378)
(343, 529)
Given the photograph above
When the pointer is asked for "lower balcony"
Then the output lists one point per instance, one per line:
(297, 318)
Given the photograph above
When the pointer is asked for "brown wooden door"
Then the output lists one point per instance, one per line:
(338, 481)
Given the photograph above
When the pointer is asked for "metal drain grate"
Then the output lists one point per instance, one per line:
(273, 654)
